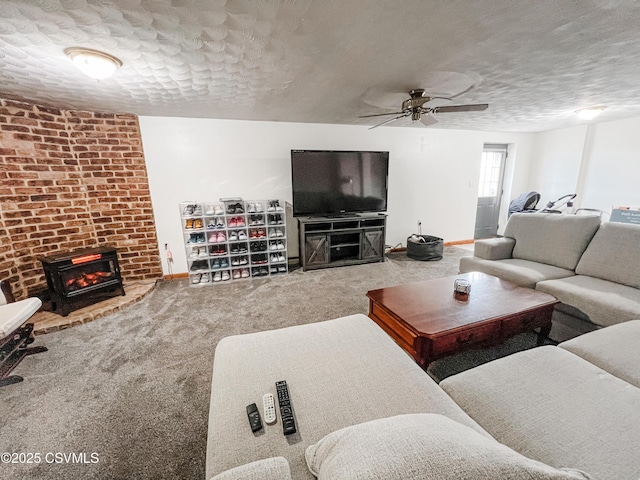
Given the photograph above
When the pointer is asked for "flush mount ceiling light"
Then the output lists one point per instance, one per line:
(589, 113)
(98, 65)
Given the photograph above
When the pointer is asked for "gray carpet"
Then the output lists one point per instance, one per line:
(133, 387)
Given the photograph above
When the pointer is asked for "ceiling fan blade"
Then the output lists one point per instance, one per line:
(461, 108)
(381, 114)
(390, 120)
(427, 120)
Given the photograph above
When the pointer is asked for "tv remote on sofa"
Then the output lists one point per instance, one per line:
(254, 417)
(286, 411)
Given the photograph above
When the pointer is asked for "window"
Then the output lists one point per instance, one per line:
(491, 170)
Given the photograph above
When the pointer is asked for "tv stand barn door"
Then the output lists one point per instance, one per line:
(334, 242)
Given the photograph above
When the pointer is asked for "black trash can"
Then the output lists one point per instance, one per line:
(426, 251)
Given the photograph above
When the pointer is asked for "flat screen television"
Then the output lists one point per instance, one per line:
(338, 183)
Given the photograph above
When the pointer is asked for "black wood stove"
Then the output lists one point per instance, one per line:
(82, 277)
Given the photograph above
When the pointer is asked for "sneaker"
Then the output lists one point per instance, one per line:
(272, 206)
(205, 278)
(282, 268)
(217, 210)
(202, 252)
(197, 210)
(233, 236)
(273, 245)
(213, 237)
(239, 208)
(259, 208)
(281, 257)
(243, 260)
(264, 271)
(195, 279)
(242, 235)
(221, 237)
(225, 276)
(244, 273)
(231, 209)
(236, 274)
(240, 221)
(280, 245)
(188, 210)
(209, 210)
(224, 263)
(188, 224)
(279, 233)
(217, 277)
(215, 263)
(219, 222)
(251, 208)
(235, 262)
(197, 223)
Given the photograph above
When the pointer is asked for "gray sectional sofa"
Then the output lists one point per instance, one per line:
(593, 268)
(365, 410)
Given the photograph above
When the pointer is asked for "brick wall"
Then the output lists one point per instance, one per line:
(69, 180)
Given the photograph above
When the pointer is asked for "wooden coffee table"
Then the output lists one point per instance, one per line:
(429, 321)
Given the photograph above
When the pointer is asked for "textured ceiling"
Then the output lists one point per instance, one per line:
(329, 61)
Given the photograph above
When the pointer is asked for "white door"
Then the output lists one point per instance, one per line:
(490, 190)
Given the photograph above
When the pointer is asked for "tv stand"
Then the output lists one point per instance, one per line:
(340, 241)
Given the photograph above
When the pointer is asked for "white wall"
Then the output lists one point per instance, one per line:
(433, 173)
(600, 162)
(556, 169)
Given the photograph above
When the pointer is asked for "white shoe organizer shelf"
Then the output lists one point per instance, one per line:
(233, 240)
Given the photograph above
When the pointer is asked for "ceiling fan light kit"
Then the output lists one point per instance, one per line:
(93, 63)
(415, 107)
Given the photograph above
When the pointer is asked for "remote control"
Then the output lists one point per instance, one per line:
(269, 408)
(286, 411)
(254, 417)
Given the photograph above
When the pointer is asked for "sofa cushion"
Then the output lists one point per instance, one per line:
(605, 303)
(521, 272)
(615, 349)
(557, 408)
(613, 254)
(558, 240)
(350, 364)
(275, 468)
(419, 446)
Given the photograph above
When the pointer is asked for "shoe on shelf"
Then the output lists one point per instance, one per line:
(188, 210)
(244, 273)
(197, 210)
(205, 278)
(221, 237)
(202, 252)
(280, 233)
(224, 263)
(188, 224)
(195, 279)
(231, 209)
(264, 271)
(209, 210)
(215, 263)
(217, 210)
(282, 268)
(200, 237)
(242, 235)
(272, 206)
(243, 260)
(219, 222)
(233, 236)
(239, 208)
(281, 257)
(259, 208)
(236, 274)
(213, 237)
(251, 208)
(217, 277)
(240, 222)
(225, 276)
(197, 223)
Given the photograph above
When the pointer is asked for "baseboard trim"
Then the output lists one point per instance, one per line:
(458, 242)
(176, 276)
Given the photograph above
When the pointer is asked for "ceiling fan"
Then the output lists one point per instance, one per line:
(415, 107)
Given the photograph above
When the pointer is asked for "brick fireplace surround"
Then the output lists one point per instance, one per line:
(70, 180)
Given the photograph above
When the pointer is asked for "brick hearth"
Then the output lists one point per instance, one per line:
(70, 180)
(47, 322)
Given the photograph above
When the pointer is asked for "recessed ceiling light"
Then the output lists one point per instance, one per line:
(589, 113)
(98, 65)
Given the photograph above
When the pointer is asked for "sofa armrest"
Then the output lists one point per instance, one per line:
(494, 248)
(275, 468)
